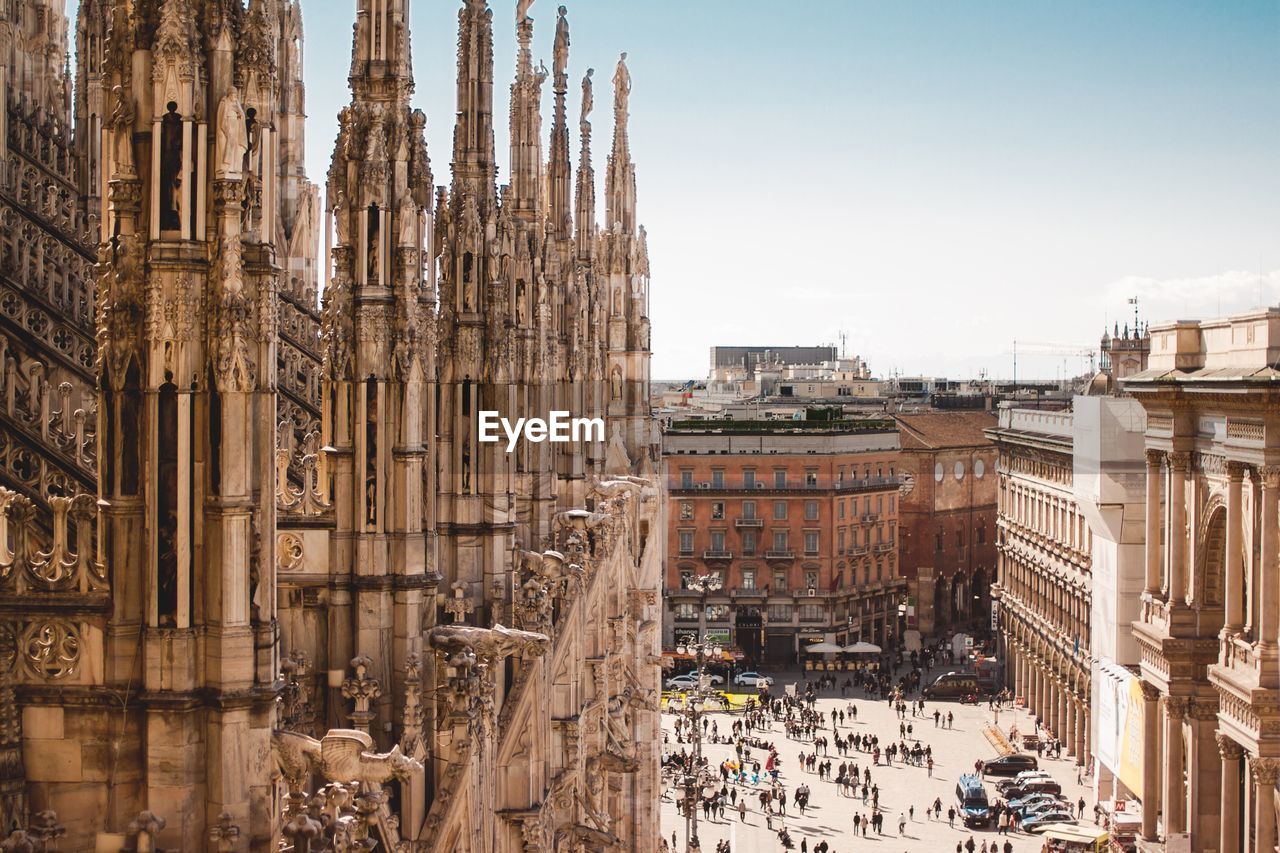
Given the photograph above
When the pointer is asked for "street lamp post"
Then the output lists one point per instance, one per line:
(696, 780)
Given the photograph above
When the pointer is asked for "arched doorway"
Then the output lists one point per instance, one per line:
(959, 600)
(941, 605)
(980, 600)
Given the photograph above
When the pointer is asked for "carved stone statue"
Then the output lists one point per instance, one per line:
(498, 641)
(588, 99)
(232, 143)
(122, 116)
(522, 10)
(621, 85)
(408, 222)
(560, 50)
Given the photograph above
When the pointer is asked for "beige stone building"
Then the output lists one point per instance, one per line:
(310, 603)
(1207, 627)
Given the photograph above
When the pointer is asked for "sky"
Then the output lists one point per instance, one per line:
(933, 179)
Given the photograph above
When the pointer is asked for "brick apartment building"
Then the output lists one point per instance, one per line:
(799, 519)
(948, 518)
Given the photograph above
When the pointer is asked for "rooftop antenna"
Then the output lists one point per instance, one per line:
(1133, 300)
(844, 339)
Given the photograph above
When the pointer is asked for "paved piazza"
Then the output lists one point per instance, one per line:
(830, 814)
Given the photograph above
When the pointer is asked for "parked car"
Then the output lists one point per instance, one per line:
(689, 681)
(1022, 778)
(1036, 800)
(1010, 765)
(1034, 786)
(1035, 811)
(1040, 821)
(752, 679)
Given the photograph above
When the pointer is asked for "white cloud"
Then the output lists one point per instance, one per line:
(1163, 300)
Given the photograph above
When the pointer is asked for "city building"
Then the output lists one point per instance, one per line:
(1070, 505)
(1207, 623)
(798, 519)
(257, 554)
(948, 519)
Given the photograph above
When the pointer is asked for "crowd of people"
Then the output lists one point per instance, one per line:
(750, 780)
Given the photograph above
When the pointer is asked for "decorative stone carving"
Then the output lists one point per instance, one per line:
(362, 690)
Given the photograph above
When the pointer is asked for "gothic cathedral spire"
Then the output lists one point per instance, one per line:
(378, 323)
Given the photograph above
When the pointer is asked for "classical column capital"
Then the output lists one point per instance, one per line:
(1236, 470)
(1155, 458)
(1180, 460)
(1265, 770)
(1175, 707)
(1150, 693)
(1269, 476)
(1227, 748)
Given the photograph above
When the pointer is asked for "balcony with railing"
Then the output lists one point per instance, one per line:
(744, 521)
(786, 554)
(717, 555)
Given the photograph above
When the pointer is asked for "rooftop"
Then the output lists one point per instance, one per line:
(939, 430)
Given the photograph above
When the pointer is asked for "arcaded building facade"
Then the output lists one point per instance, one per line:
(1043, 594)
(265, 586)
(1207, 628)
(799, 524)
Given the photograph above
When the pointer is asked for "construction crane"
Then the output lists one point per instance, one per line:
(1043, 348)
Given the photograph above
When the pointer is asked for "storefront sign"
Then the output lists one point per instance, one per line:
(716, 635)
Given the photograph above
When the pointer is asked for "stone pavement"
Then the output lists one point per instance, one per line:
(830, 815)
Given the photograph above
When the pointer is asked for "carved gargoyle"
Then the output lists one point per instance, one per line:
(342, 755)
(496, 642)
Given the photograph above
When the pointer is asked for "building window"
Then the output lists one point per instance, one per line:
(686, 541)
(891, 504)
(780, 581)
(717, 541)
(811, 613)
(717, 510)
(839, 509)
(779, 612)
(780, 479)
(811, 541)
(748, 543)
(960, 538)
(717, 612)
(811, 579)
(779, 510)
(685, 579)
(686, 478)
(879, 503)
(749, 478)
(686, 612)
(780, 540)
(982, 534)
(810, 478)
(748, 578)
(717, 478)
(937, 541)
(840, 541)
(686, 511)
(893, 532)
(879, 570)
(811, 510)
(748, 509)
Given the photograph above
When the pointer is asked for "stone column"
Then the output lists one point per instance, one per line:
(1082, 726)
(1265, 772)
(1175, 789)
(1062, 730)
(1177, 498)
(1069, 733)
(1150, 761)
(1267, 577)
(1154, 459)
(1231, 753)
(1234, 586)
